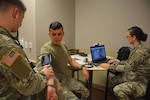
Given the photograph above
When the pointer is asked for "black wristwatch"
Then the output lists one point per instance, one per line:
(51, 85)
(82, 66)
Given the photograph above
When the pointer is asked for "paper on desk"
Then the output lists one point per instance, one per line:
(80, 62)
(80, 59)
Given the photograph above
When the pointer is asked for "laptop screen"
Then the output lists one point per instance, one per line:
(98, 53)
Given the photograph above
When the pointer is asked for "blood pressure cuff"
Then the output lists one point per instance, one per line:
(46, 59)
(17, 64)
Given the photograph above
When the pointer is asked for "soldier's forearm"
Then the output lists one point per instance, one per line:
(50, 81)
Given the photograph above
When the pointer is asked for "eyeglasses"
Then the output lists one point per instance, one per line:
(128, 36)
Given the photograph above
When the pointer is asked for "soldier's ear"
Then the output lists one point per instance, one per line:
(15, 13)
(16, 16)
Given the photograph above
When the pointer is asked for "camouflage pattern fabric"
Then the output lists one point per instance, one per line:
(71, 84)
(124, 90)
(134, 74)
(17, 79)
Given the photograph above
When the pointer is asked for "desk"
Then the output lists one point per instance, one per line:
(95, 68)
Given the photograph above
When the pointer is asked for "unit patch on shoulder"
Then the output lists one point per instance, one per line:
(10, 58)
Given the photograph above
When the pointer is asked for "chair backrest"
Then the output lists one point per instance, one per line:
(123, 53)
(73, 51)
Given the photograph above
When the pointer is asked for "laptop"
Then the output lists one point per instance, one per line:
(98, 54)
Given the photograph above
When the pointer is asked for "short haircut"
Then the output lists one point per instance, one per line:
(55, 25)
(6, 4)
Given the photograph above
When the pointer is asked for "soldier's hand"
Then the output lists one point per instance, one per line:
(85, 73)
(105, 65)
(51, 93)
(48, 71)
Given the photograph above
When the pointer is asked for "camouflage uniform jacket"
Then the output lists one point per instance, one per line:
(137, 67)
(17, 79)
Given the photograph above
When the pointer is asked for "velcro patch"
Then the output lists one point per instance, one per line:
(10, 58)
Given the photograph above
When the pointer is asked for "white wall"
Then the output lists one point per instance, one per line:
(39, 15)
(27, 32)
(85, 22)
(48, 11)
(106, 21)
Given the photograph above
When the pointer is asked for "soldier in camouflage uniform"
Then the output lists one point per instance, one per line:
(60, 59)
(134, 73)
(18, 81)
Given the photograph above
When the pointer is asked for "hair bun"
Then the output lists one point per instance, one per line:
(144, 37)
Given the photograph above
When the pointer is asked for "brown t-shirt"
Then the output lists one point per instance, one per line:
(60, 58)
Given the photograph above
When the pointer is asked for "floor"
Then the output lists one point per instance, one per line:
(98, 94)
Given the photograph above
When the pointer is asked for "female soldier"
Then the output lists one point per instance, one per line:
(134, 72)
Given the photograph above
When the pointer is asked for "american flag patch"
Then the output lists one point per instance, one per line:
(10, 58)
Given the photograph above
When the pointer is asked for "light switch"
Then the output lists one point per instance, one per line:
(22, 42)
(30, 45)
(26, 45)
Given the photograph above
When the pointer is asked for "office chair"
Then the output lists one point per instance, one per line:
(73, 51)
